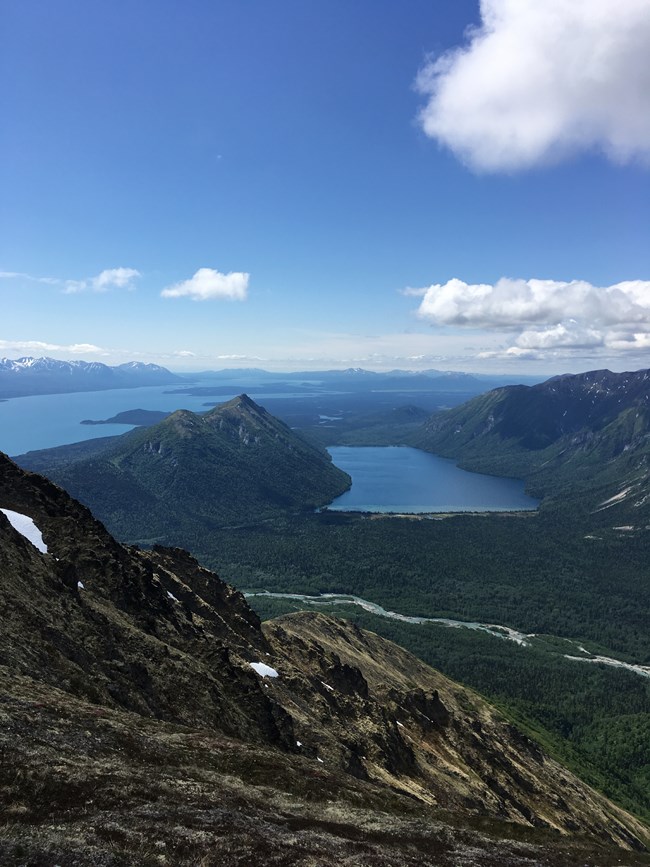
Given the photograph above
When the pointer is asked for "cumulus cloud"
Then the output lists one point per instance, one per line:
(208, 284)
(635, 342)
(571, 335)
(40, 346)
(513, 304)
(120, 278)
(545, 318)
(538, 81)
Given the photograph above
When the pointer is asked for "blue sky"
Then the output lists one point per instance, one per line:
(291, 184)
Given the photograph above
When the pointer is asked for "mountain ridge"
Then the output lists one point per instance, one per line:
(32, 376)
(577, 436)
(136, 659)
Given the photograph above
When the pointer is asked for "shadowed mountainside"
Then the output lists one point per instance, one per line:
(580, 438)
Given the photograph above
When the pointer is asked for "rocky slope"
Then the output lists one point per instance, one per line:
(136, 730)
(584, 438)
(180, 478)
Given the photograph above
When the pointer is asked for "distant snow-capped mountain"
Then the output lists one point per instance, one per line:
(20, 377)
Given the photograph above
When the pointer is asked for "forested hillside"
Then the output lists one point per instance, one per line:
(190, 474)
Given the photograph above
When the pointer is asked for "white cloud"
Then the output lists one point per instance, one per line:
(570, 335)
(208, 284)
(238, 358)
(638, 341)
(413, 292)
(72, 287)
(542, 79)
(13, 275)
(40, 346)
(545, 319)
(110, 278)
(513, 304)
(184, 353)
(119, 278)
(513, 352)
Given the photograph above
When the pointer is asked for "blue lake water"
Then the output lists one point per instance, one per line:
(44, 421)
(402, 479)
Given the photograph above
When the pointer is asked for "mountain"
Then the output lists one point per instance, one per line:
(579, 437)
(188, 474)
(25, 376)
(354, 379)
(359, 379)
(147, 717)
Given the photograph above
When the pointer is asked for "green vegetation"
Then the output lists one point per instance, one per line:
(581, 442)
(529, 572)
(570, 571)
(187, 475)
(534, 573)
(593, 719)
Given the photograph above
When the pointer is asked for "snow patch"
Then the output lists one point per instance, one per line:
(171, 596)
(80, 585)
(263, 669)
(615, 499)
(27, 528)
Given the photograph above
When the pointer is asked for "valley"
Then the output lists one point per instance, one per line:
(578, 652)
(545, 576)
(401, 479)
(138, 716)
(325, 434)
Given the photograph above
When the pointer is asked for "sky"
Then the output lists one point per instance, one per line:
(310, 184)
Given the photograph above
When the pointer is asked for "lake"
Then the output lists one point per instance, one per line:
(407, 480)
(45, 421)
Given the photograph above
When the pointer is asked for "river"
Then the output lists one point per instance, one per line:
(504, 632)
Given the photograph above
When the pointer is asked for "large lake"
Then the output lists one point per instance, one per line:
(45, 421)
(406, 480)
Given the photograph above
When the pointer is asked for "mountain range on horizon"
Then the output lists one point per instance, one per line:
(28, 376)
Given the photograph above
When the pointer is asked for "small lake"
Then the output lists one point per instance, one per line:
(407, 480)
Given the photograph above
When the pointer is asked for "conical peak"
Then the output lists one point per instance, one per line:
(242, 402)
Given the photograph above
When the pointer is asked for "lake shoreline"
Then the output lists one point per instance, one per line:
(433, 516)
(401, 480)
